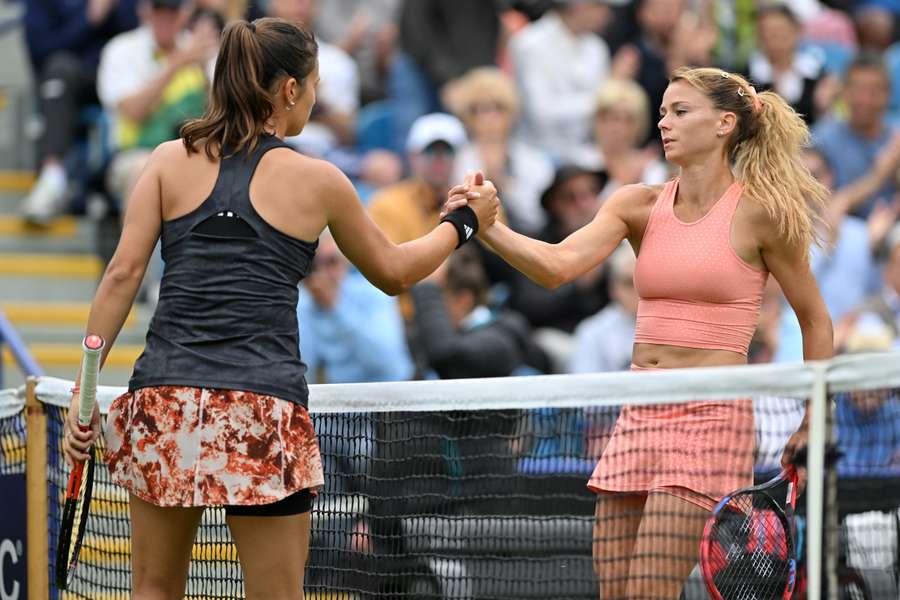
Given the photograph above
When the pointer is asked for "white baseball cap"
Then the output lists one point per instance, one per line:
(435, 127)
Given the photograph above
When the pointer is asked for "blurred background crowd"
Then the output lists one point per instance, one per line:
(556, 101)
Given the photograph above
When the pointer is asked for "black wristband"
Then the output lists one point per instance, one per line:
(465, 221)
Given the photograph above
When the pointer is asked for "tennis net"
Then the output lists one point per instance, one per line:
(477, 488)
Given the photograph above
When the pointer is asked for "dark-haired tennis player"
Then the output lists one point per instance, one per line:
(216, 408)
(742, 207)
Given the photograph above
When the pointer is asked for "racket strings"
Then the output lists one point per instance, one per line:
(752, 550)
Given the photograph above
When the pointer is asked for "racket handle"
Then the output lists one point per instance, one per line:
(92, 348)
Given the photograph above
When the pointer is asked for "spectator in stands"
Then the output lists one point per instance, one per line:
(64, 42)
(459, 335)
(411, 208)
(868, 421)
(232, 9)
(735, 40)
(620, 127)
(487, 101)
(829, 28)
(440, 40)
(571, 201)
(352, 331)
(875, 24)
(331, 131)
(367, 31)
(560, 62)
(780, 65)
(333, 122)
(844, 267)
(851, 146)
(885, 303)
(668, 37)
(153, 79)
(603, 342)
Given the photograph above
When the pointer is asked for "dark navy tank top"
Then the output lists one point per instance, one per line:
(227, 312)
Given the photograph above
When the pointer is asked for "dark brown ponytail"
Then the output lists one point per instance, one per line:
(253, 57)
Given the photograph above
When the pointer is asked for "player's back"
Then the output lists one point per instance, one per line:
(228, 296)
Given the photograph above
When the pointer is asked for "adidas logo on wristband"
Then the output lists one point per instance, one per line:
(469, 231)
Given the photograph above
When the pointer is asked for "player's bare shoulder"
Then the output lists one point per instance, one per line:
(300, 172)
(172, 164)
(757, 221)
(633, 203)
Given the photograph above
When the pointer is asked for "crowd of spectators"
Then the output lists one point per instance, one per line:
(555, 100)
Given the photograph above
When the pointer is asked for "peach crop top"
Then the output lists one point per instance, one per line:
(694, 290)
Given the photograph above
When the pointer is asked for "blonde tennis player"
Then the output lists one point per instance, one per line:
(742, 207)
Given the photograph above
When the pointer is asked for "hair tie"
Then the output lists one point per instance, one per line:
(251, 26)
(757, 103)
(754, 98)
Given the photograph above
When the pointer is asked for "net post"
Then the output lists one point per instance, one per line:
(815, 482)
(36, 494)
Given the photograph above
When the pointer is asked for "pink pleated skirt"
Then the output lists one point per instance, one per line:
(699, 451)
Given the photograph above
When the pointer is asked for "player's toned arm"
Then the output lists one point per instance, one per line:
(789, 264)
(390, 267)
(551, 265)
(140, 232)
(119, 286)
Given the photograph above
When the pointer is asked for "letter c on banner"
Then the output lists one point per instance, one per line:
(8, 548)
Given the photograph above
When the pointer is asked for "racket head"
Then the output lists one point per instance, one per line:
(73, 521)
(748, 549)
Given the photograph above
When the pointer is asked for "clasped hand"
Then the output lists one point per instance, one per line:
(478, 194)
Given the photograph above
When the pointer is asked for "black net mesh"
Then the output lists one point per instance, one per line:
(863, 494)
(494, 503)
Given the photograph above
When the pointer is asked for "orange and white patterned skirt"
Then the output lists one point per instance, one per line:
(185, 446)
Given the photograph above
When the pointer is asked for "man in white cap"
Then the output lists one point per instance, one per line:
(407, 209)
(411, 208)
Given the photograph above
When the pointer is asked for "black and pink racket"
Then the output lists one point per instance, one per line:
(748, 550)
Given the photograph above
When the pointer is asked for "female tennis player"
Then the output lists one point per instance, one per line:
(216, 408)
(743, 206)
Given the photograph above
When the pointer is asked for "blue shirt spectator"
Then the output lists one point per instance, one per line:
(845, 272)
(852, 156)
(851, 146)
(352, 332)
(868, 432)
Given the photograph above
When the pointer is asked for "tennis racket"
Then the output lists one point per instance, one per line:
(81, 479)
(748, 550)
